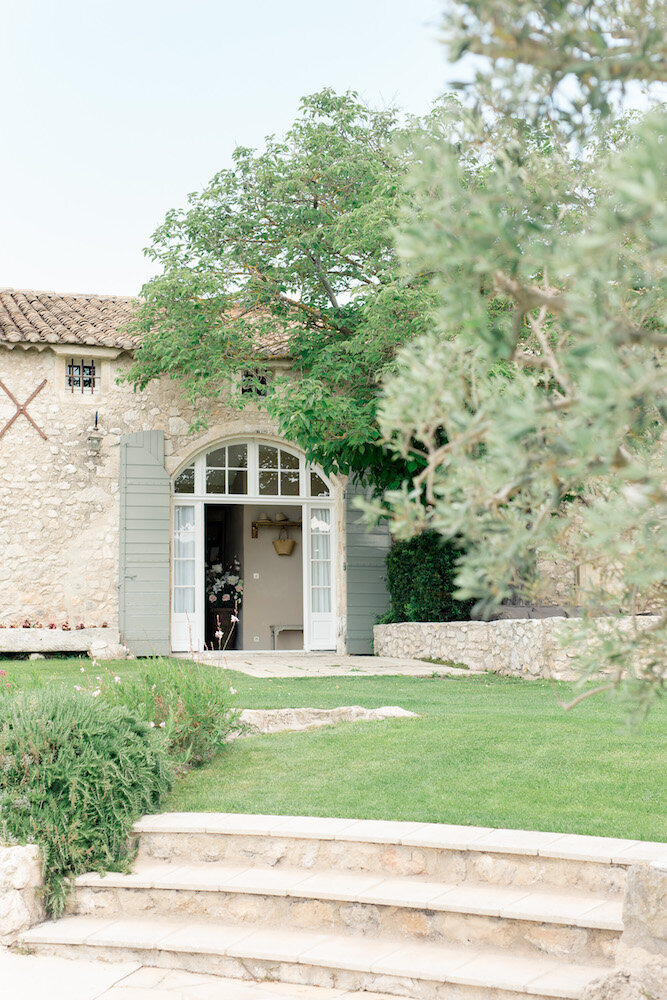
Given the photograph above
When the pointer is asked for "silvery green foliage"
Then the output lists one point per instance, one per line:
(539, 397)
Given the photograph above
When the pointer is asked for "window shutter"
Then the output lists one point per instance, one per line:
(144, 544)
(367, 596)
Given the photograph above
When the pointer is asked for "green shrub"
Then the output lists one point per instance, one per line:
(74, 775)
(189, 701)
(420, 580)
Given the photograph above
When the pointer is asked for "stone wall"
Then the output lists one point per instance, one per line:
(517, 647)
(641, 957)
(645, 908)
(20, 884)
(59, 498)
(100, 643)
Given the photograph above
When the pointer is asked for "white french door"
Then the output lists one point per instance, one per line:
(271, 476)
(319, 592)
(187, 616)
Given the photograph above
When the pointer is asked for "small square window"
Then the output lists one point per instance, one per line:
(254, 383)
(82, 376)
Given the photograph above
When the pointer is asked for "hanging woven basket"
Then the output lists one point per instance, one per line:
(282, 544)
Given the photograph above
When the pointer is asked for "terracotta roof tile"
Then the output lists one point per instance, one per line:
(32, 317)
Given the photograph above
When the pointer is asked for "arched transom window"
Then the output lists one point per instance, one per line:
(251, 469)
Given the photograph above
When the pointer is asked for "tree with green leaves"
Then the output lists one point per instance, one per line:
(296, 241)
(539, 396)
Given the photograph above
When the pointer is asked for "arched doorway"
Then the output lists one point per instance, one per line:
(230, 504)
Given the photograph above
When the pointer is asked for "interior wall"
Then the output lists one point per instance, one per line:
(273, 584)
(234, 537)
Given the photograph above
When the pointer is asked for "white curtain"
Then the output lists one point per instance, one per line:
(320, 557)
(184, 560)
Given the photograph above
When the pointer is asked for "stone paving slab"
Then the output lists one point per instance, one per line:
(164, 984)
(31, 977)
(297, 663)
(28, 977)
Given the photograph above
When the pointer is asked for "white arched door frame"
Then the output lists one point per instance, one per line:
(319, 537)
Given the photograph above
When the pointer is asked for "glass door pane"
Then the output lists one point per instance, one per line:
(320, 559)
(185, 537)
(322, 619)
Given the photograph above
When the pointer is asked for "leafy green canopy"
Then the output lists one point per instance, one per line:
(540, 395)
(295, 240)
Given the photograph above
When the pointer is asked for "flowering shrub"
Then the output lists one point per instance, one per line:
(74, 775)
(189, 702)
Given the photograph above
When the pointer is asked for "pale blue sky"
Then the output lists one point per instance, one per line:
(114, 110)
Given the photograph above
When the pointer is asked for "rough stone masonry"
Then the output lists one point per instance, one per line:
(60, 523)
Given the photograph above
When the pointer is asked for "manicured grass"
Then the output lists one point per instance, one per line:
(485, 751)
(60, 670)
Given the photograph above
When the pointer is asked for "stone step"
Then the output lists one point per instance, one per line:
(583, 926)
(44, 977)
(346, 962)
(453, 854)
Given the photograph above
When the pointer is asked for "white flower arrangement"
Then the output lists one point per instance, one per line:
(224, 586)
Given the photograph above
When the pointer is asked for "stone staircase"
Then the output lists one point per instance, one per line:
(416, 910)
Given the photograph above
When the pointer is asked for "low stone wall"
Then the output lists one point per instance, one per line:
(20, 885)
(645, 909)
(640, 971)
(518, 647)
(102, 643)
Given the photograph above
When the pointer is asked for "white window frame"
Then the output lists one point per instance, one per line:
(187, 630)
(253, 494)
(306, 502)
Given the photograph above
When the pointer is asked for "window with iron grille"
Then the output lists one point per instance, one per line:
(254, 383)
(82, 376)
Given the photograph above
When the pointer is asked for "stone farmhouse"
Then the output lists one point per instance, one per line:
(112, 512)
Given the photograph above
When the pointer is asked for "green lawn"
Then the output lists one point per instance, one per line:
(485, 751)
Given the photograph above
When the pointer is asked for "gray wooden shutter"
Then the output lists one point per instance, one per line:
(367, 596)
(144, 544)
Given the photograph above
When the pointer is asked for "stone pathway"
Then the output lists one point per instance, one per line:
(31, 977)
(296, 663)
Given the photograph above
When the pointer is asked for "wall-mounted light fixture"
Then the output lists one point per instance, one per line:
(95, 435)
